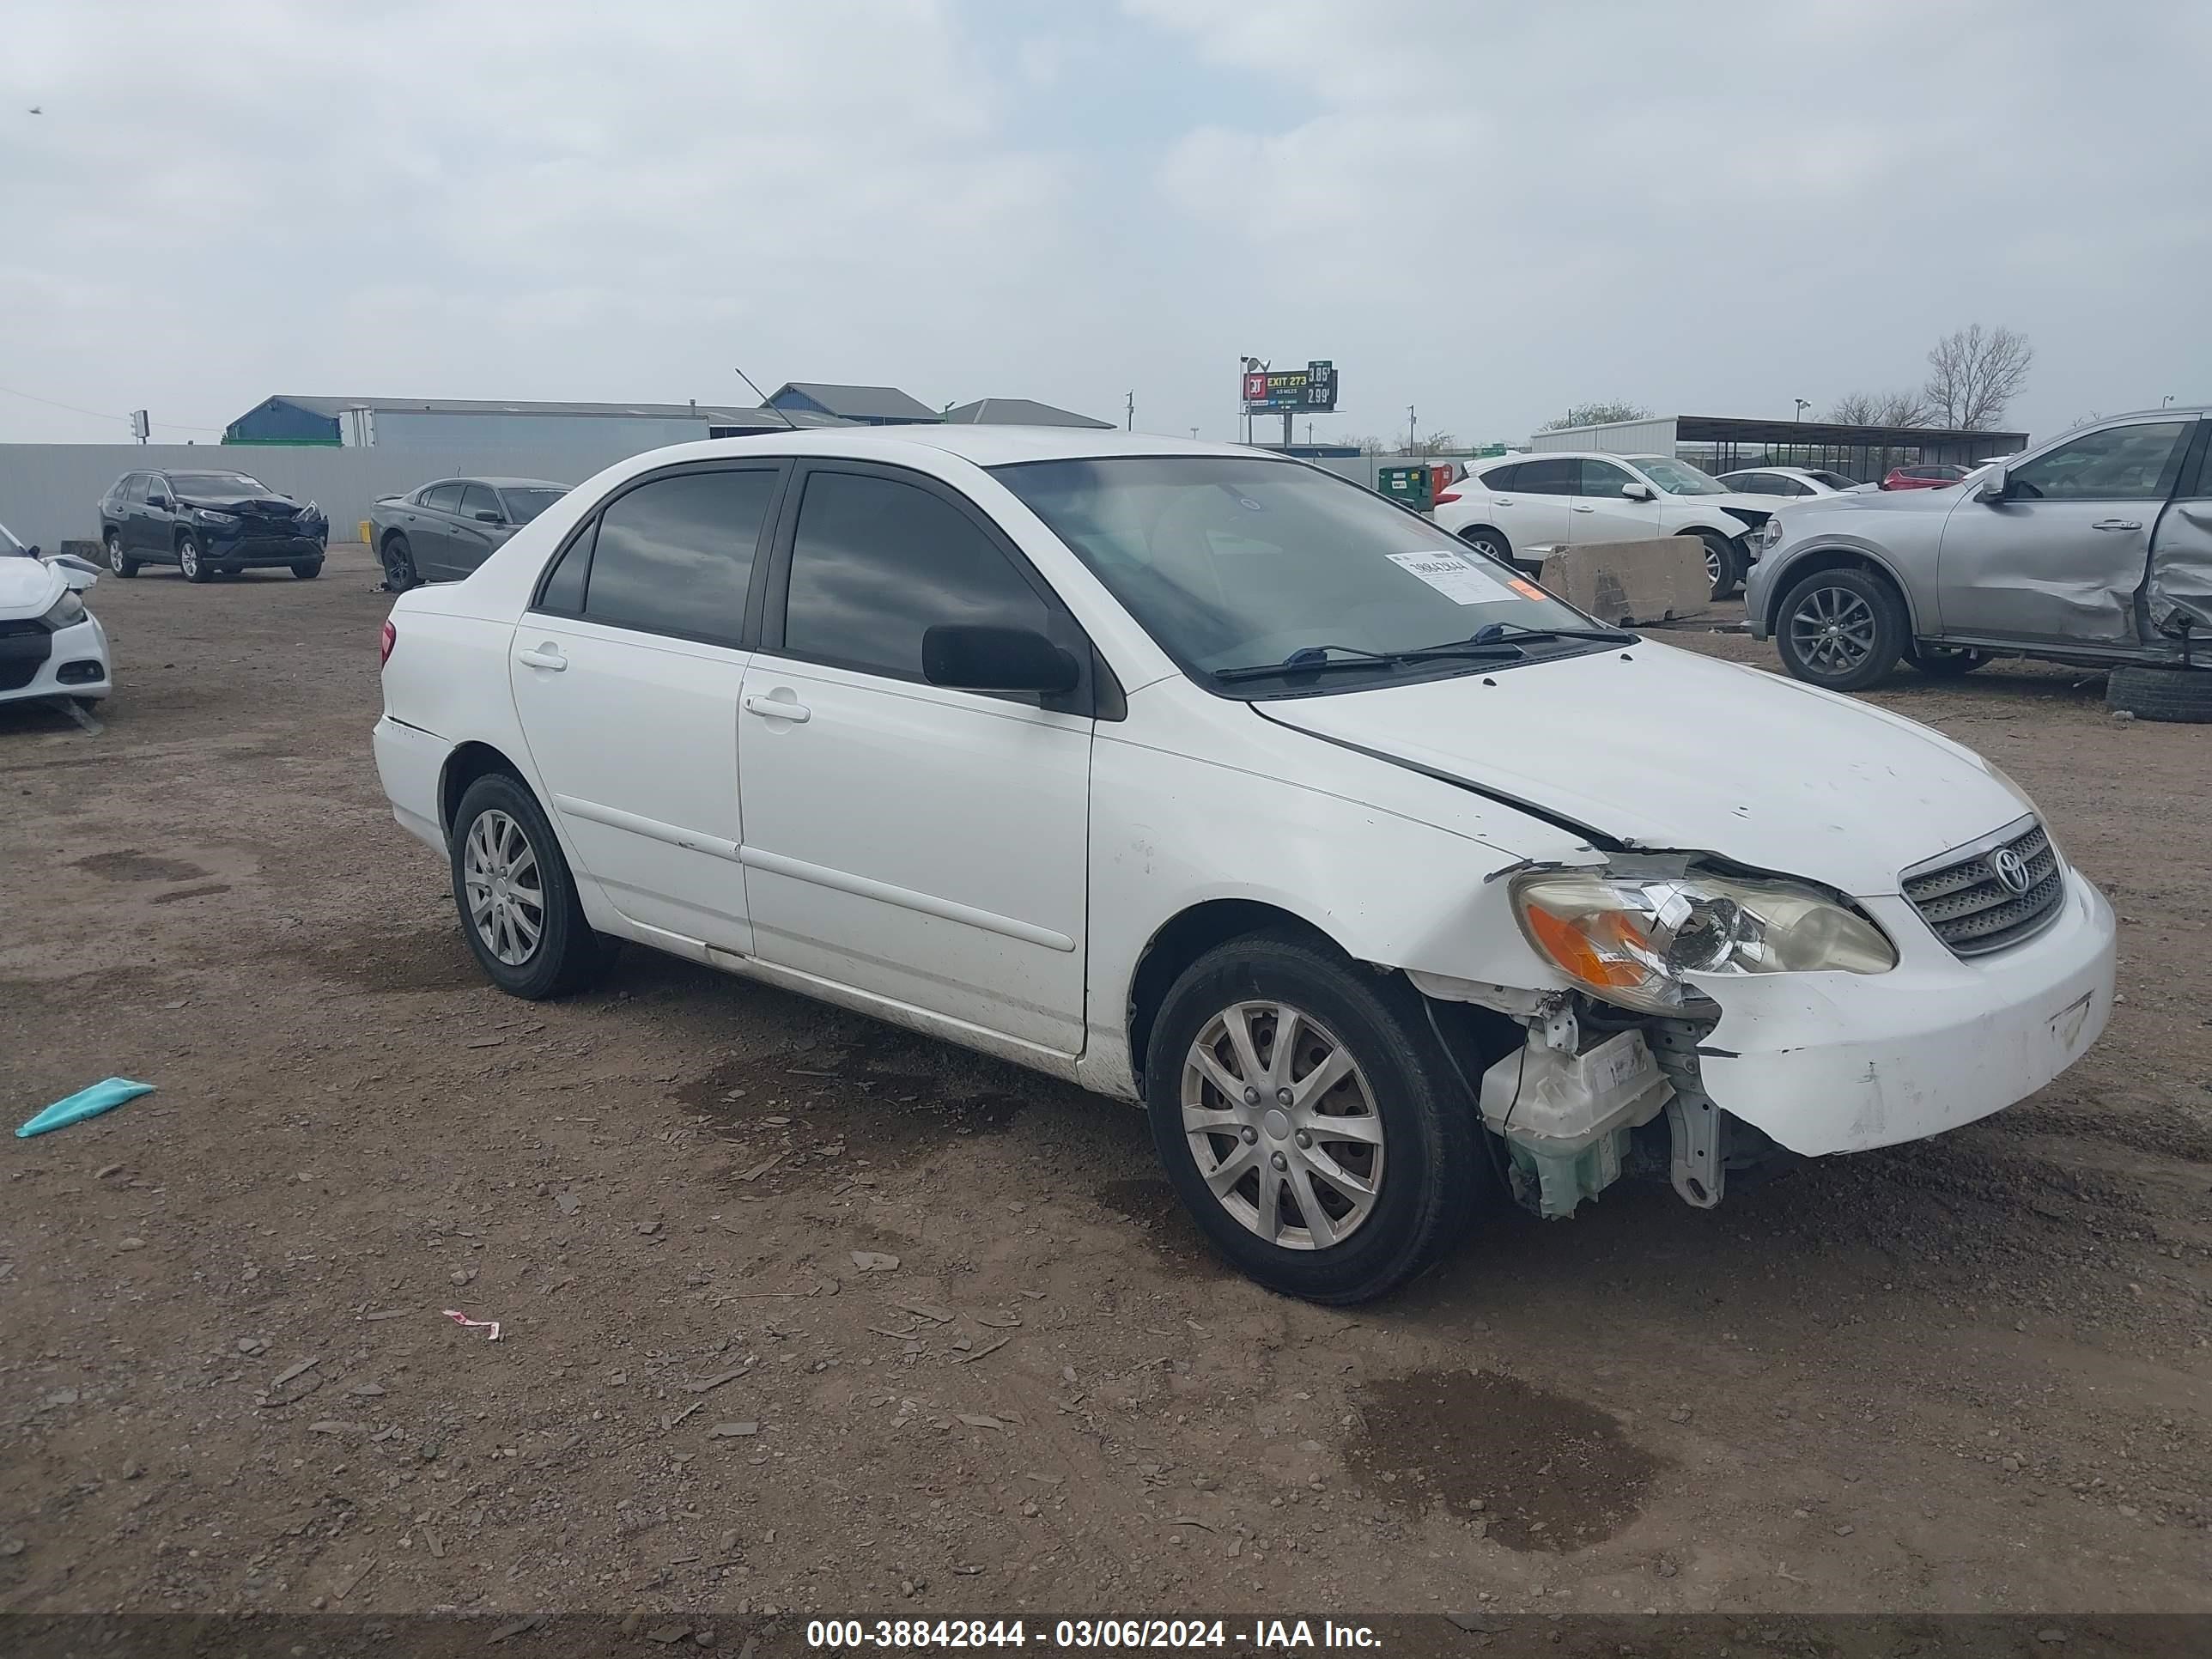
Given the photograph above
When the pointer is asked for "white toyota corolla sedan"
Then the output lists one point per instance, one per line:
(1391, 884)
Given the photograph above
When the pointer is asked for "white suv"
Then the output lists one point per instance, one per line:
(1519, 507)
(1389, 883)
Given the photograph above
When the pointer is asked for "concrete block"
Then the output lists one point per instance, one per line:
(1621, 582)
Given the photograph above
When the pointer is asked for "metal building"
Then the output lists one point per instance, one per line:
(468, 426)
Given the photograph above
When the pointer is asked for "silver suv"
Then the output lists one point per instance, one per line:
(2095, 548)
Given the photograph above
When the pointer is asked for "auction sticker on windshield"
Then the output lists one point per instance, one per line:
(1451, 576)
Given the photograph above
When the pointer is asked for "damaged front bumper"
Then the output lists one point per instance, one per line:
(1814, 1063)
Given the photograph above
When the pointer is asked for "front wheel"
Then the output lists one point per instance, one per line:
(1841, 629)
(1310, 1120)
(306, 569)
(192, 562)
(516, 897)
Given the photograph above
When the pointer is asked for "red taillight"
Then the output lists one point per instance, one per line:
(1448, 495)
(384, 641)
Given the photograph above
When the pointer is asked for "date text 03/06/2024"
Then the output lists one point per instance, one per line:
(1261, 1634)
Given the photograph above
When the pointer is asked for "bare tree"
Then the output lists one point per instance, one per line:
(1975, 374)
(1368, 444)
(1597, 414)
(1431, 443)
(1906, 408)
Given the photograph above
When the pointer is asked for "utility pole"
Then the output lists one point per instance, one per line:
(1411, 449)
(1802, 405)
(1309, 434)
(1129, 414)
(1193, 432)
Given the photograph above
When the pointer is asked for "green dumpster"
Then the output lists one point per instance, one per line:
(1409, 484)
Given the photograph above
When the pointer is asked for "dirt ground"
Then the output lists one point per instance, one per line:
(801, 1312)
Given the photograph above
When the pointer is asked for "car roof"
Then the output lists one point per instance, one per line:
(514, 483)
(984, 446)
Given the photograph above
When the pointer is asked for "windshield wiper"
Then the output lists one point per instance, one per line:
(1490, 631)
(1309, 660)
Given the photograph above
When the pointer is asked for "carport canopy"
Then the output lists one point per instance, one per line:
(1864, 452)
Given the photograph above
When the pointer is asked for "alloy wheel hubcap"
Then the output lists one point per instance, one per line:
(1283, 1125)
(1833, 629)
(506, 895)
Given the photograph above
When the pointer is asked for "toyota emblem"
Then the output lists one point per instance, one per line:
(2011, 869)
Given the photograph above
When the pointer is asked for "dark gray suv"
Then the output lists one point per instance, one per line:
(2093, 548)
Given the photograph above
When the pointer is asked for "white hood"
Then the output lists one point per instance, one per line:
(1669, 749)
(28, 587)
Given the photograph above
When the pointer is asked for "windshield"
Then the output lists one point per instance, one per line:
(1680, 478)
(10, 546)
(525, 504)
(1232, 563)
(218, 483)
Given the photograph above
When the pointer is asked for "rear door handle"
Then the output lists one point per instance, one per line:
(543, 656)
(1502, 501)
(778, 709)
(1585, 509)
(2118, 523)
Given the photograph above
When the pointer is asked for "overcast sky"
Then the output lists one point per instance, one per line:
(1488, 211)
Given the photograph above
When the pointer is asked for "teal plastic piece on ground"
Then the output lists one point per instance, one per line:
(84, 1103)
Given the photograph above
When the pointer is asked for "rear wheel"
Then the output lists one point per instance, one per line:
(516, 897)
(1944, 662)
(118, 561)
(192, 562)
(2180, 695)
(306, 569)
(1723, 563)
(1308, 1117)
(1842, 630)
(398, 560)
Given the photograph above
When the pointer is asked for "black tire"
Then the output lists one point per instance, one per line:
(1856, 659)
(398, 557)
(1434, 1174)
(192, 562)
(306, 569)
(567, 955)
(2182, 695)
(1485, 539)
(118, 561)
(1724, 563)
(1944, 662)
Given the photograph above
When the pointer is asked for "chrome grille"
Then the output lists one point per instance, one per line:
(1973, 909)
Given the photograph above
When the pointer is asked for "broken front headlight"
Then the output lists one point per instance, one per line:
(1632, 940)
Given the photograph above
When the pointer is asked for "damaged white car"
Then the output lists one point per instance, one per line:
(1391, 885)
(51, 646)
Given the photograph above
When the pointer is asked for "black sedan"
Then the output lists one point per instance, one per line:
(445, 530)
(209, 524)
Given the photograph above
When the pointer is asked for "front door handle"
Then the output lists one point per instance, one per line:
(2118, 523)
(779, 708)
(544, 656)
(1585, 509)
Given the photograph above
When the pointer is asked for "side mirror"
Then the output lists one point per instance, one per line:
(970, 657)
(161, 501)
(76, 572)
(482, 516)
(1993, 487)
(1636, 492)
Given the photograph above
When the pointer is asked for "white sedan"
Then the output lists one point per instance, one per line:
(51, 646)
(1788, 483)
(1519, 507)
(1392, 886)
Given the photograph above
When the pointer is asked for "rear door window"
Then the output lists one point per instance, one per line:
(443, 498)
(676, 555)
(1548, 478)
